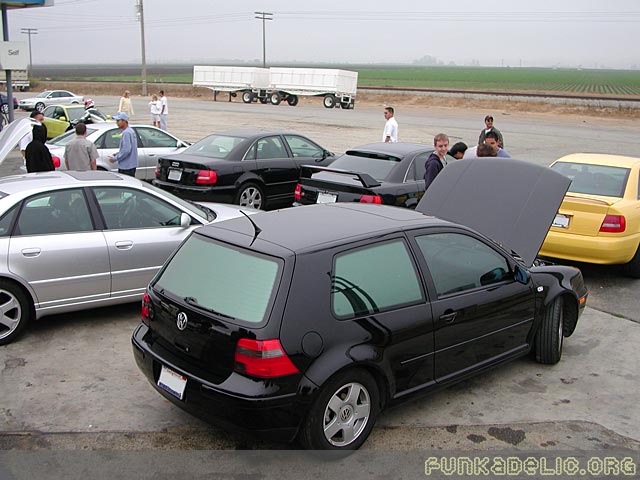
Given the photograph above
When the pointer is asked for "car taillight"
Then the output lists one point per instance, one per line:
(146, 301)
(262, 358)
(613, 224)
(371, 199)
(297, 194)
(207, 177)
(157, 171)
(56, 161)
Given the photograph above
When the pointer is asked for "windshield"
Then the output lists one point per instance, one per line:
(66, 137)
(594, 179)
(214, 146)
(43, 94)
(377, 165)
(229, 281)
(75, 113)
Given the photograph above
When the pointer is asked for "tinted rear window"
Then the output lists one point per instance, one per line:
(233, 282)
(594, 179)
(214, 146)
(378, 166)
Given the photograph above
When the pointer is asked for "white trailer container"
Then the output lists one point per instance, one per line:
(338, 87)
(19, 79)
(231, 79)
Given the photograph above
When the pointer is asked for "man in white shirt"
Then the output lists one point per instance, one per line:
(390, 133)
(164, 111)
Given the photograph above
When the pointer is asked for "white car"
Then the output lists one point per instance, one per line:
(50, 97)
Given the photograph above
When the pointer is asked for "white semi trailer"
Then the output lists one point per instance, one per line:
(278, 84)
(19, 79)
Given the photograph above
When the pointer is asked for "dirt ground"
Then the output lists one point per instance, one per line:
(407, 101)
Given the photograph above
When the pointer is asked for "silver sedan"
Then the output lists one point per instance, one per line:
(77, 240)
(50, 97)
(152, 143)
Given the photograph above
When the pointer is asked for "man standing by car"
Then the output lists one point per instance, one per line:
(26, 140)
(436, 161)
(164, 111)
(80, 154)
(127, 155)
(390, 133)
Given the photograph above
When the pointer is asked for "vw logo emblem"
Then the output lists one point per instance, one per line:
(181, 323)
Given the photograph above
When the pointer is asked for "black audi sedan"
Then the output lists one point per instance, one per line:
(384, 173)
(252, 168)
(316, 318)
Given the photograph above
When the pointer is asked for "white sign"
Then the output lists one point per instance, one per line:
(14, 55)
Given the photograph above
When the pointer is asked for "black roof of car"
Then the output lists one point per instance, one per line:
(396, 149)
(312, 227)
(253, 133)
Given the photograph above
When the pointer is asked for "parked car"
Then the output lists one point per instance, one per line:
(599, 219)
(4, 103)
(50, 97)
(60, 118)
(79, 240)
(254, 168)
(385, 173)
(152, 143)
(315, 318)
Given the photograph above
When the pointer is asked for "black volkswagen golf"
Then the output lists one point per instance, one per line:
(304, 323)
(252, 168)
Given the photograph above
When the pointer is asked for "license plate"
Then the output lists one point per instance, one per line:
(326, 198)
(175, 174)
(172, 382)
(561, 221)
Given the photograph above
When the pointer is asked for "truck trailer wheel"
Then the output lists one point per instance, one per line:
(247, 97)
(292, 100)
(329, 101)
(275, 98)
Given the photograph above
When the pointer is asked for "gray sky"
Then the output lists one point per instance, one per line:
(587, 33)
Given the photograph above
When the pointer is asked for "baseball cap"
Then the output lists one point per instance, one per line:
(121, 116)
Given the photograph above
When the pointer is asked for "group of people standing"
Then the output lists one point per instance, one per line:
(490, 144)
(158, 108)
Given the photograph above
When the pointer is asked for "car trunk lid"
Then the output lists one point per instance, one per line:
(12, 134)
(582, 215)
(328, 185)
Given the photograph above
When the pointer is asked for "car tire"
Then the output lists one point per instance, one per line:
(15, 311)
(548, 343)
(275, 98)
(39, 107)
(247, 97)
(632, 268)
(250, 195)
(331, 423)
(329, 101)
(292, 100)
(4, 108)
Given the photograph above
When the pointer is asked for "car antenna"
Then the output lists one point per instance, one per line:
(256, 228)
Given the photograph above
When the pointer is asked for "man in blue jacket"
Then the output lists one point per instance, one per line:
(127, 155)
(436, 161)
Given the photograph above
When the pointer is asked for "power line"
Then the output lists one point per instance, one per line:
(30, 31)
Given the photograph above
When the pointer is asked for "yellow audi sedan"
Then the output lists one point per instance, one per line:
(599, 219)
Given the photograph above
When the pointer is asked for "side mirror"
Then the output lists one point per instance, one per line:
(521, 275)
(325, 154)
(62, 119)
(185, 220)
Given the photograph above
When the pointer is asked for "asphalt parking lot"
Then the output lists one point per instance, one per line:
(70, 383)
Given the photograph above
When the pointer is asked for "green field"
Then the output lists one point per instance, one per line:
(614, 82)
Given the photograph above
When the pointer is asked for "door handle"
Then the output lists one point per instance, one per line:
(124, 245)
(448, 317)
(31, 252)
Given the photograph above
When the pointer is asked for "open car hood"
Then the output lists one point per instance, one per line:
(510, 201)
(12, 134)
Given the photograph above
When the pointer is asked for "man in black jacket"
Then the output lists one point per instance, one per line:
(37, 155)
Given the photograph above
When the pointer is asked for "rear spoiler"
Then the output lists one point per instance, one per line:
(307, 171)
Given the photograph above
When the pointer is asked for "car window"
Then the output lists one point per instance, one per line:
(58, 113)
(128, 208)
(418, 169)
(111, 139)
(6, 221)
(241, 286)
(215, 146)
(152, 138)
(63, 94)
(301, 147)
(49, 111)
(61, 211)
(374, 279)
(379, 166)
(75, 113)
(66, 137)
(270, 147)
(459, 262)
(594, 179)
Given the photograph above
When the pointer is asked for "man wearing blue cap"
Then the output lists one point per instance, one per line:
(127, 155)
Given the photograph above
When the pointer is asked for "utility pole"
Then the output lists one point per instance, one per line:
(140, 12)
(30, 31)
(264, 16)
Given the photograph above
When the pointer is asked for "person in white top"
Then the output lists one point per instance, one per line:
(390, 133)
(125, 104)
(164, 111)
(154, 109)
